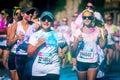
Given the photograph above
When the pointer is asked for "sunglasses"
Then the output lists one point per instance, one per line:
(2, 13)
(89, 7)
(109, 20)
(75, 16)
(64, 20)
(46, 18)
(30, 12)
(17, 14)
(87, 17)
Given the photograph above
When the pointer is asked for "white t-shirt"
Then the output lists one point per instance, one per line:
(47, 60)
(89, 52)
(111, 30)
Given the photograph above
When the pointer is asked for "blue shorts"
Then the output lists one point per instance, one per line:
(83, 66)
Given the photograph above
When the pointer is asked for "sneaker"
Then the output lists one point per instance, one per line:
(74, 68)
(2, 77)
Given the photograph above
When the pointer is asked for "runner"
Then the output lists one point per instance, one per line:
(87, 37)
(43, 47)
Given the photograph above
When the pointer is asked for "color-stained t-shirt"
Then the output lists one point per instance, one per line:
(47, 54)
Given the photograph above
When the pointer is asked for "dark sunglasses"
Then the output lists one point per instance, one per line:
(87, 17)
(89, 7)
(64, 20)
(30, 12)
(2, 13)
(46, 18)
(17, 14)
(75, 16)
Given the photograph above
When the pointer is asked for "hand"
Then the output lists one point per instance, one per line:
(20, 36)
(61, 53)
(80, 38)
(41, 41)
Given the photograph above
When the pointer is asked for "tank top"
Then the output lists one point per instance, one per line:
(23, 44)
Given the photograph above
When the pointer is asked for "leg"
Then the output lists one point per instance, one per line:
(12, 67)
(5, 58)
(74, 64)
(109, 56)
(92, 74)
(82, 75)
(14, 75)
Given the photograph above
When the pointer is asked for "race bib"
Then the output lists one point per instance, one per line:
(45, 58)
(22, 47)
(86, 55)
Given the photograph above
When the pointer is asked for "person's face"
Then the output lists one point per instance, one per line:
(3, 14)
(89, 6)
(46, 22)
(17, 15)
(27, 16)
(109, 20)
(64, 21)
(74, 17)
(87, 18)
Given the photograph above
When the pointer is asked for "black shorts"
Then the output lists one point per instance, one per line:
(11, 61)
(4, 47)
(111, 46)
(83, 66)
(46, 77)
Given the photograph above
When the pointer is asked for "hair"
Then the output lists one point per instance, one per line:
(9, 17)
(37, 12)
(15, 9)
(89, 11)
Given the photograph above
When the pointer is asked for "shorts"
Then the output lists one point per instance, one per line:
(11, 61)
(4, 47)
(83, 66)
(46, 77)
(112, 46)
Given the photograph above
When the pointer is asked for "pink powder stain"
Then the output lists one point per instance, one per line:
(40, 54)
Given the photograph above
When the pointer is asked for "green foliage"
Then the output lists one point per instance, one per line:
(82, 5)
(59, 6)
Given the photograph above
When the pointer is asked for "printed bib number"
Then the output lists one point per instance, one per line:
(86, 55)
(44, 60)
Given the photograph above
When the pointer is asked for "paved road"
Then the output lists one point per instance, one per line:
(67, 74)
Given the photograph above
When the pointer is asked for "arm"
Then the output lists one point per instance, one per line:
(37, 26)
(32, 49)
(12, 39)
(75, 44)
(103, 41)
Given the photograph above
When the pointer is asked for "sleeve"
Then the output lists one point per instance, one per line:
(32, 40)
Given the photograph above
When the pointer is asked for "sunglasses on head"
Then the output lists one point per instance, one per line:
(46, 18)
(87, 17)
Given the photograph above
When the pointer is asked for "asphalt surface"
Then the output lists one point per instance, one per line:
(66, 73)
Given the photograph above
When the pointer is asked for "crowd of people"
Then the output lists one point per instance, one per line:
(36, 47)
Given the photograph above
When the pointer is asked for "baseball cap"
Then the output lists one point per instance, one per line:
(47, 13)
(26, 9)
